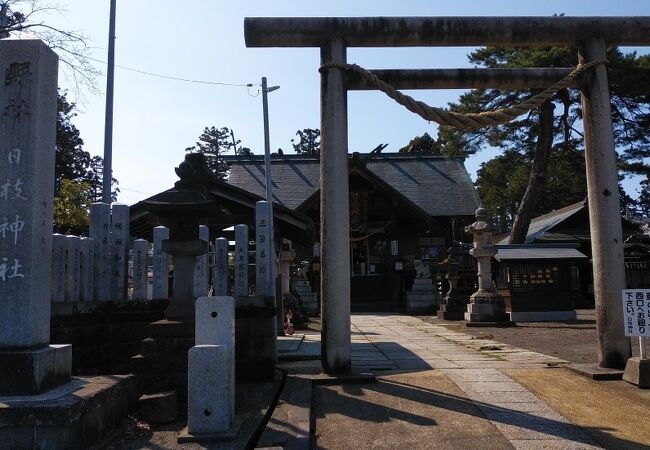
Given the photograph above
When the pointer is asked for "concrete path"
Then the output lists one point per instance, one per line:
(390, 344)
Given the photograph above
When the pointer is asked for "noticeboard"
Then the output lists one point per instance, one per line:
(636, 312)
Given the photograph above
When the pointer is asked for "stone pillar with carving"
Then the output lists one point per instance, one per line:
(485, 305)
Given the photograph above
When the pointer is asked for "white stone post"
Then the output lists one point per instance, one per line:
(119, 242)
(140, 279)
(604, 210)
(201, 268)
(73, 268)
(215, 325)
(160, 271)
(335, 215)
(241, 260)
(208, 394)
(87, 269)
(100, 232)
(28, 97)
(220, 269)
(58, 268)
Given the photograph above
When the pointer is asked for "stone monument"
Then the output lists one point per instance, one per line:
(302, 287)
(70, 413)
(422, 296)
(485, 306)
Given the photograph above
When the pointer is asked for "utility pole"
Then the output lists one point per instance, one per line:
(108, 125)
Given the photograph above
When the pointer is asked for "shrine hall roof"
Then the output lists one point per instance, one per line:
(438, 185)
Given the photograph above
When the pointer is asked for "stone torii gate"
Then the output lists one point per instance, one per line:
(334, 35)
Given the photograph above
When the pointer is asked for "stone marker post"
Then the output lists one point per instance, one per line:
(119, 242)
(28, 96)
(201, 268)
(100, 232)
(485, 305)
(73, 268)
(215, 325)
(264, 258)
(220, 269)
(58, 268)
(160, 274)
(86, 270)
(241, 260)
(140, 278)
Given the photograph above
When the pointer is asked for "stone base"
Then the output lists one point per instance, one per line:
(159, 408)
(30, 372)
(185, 436)
(79, 414)
(637, 371)
(593, 371)
(542, 316)
(486, 312)
(309, 303)
(422, 299)
(450, 312)
(255, 339)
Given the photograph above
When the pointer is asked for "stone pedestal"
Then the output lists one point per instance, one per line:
(162, 364)
(30, 372)
(79, 414)
(637, 371)
(255, 339)
(421, 298)
(488, 310)
(308, 298)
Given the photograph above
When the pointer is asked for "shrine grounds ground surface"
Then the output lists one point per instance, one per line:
(441, 385)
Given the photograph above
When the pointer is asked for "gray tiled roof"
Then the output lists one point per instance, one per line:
(542, 224)
(527, 252)
(438, 185)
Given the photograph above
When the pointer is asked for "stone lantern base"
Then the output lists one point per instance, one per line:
(486, 309)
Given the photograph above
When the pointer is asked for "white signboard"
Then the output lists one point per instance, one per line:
(636, 312)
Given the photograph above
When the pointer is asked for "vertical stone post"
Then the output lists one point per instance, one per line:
(215, 325)
(220, 270)
(87, 269)
(160, 275)
(263, 251)
(100, 232)
(334, 215)
(604, 210)
(73, 268)
(140, 279)
(201, 268)
(241, 261)
(28, 98)
(119, 242)
(58, 268)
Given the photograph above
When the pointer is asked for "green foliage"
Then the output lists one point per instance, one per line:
(502, 181)
(630, 93)
(309, 143)
(422, 144)
(214, 143)
(72, 162)
(71, 207)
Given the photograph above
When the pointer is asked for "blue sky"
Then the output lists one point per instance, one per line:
(156, 119)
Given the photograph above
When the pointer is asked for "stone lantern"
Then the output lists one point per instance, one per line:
(182, 209)
(485, 305)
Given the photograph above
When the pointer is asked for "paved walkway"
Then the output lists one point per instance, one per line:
(383, 343)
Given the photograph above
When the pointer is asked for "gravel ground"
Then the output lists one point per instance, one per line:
(574, 341)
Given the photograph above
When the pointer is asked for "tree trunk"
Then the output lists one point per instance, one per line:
(537, 175)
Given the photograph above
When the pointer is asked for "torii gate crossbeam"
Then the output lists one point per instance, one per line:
(334, 35)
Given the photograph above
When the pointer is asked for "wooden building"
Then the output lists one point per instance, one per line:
(403, 207)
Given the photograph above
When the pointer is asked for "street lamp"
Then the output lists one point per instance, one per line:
(269, 189)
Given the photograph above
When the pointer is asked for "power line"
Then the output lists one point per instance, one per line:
(167, 77)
